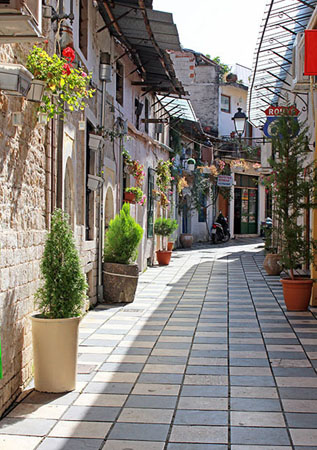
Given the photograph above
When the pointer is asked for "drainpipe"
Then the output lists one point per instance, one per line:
(104, 75)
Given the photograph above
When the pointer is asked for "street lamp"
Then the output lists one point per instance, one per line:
(240, 120)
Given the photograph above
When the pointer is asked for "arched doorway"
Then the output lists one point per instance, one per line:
(109, 207)
(69, 192)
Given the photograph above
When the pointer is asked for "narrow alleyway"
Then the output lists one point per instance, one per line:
(206, 358)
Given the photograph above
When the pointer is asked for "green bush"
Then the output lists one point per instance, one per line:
(64, 290)
(122, 238)
(165, 227)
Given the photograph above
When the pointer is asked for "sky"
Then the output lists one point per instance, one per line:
(225, 28)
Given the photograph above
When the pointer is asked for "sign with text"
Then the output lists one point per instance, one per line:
(273, 111)
(225, 180)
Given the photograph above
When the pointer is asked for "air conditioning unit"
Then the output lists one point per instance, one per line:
(300, 81)
(20, 20)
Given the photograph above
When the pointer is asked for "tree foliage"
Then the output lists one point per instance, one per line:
(122, 238)
(64, 290)
(293, 184)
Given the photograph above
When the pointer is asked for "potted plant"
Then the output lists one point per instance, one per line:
(293, 184)
(191, 164)
(134, 194)
(60, 303)
(120, 273)
(174, 226)
(271, 261)
(164, 227)
(63, 82)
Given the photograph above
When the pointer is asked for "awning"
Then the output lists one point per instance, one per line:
(180, 108)
(283, 19)
(146, 34)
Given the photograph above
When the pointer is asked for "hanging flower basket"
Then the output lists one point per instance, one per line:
(36, 91)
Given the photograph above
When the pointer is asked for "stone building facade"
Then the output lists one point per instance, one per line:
(44, 166)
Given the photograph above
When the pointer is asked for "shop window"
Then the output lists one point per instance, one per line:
(83, 27)
(225, 103)
(119, 83)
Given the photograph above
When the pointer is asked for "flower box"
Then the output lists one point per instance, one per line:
(15, 79)
(95, 142)
(129, 197)
(94, 183)
(36, 91)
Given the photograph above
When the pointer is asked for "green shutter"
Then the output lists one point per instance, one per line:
(150, 204)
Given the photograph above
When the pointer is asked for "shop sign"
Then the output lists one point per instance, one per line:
(225, 180)
(273, 112)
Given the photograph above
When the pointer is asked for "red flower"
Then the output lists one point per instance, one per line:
(69, 54)
(66, 70)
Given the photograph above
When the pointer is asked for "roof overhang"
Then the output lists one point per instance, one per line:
(178, 108)
(282, 20)
(147, 35)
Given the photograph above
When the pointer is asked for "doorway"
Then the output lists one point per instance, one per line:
(245, 205)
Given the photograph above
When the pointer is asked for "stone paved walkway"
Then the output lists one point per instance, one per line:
(206, 358)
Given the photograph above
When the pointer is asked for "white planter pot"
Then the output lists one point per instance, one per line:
(94, 182)
(55, 346)
(95, 142)
(15, 79)
(191, 167)
(36, 91)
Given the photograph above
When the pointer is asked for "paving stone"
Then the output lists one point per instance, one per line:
(137, 431)
(91, 413)
(132, 445)
(141, 415)
(8, 442)
(80, 429)
(300, 420)
(196, 417)
(300, 393)
(199, 434)
(304, 436)
(69, 444)
(203, 403)
(204, 391)
(206, 370)
(108, 388)
(27, 427)
(151, 401)
(257, 419)
(166, 378)
(121, 367)
(196, 447)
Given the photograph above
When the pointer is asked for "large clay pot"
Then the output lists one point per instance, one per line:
(271, 264)
(120, 282)
(55, 346)
(163, 257)
(297, 293)
(170, 246)
(186, 240)
(129, 197)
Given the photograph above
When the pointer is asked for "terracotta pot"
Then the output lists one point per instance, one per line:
(129, 197)
(170, 246)
(186, 240)
(163, 257)
(297, 293)
(55, 345)
(120, 282)
(272, 265)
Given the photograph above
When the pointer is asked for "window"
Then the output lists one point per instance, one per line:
(146, 115)
(150, 203)
(83, 27)
(225, 103)
(119, 83)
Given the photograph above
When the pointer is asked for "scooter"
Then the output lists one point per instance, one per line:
(220, 230)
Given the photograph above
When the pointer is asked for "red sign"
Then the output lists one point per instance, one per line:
(273, 111)
(310, 66)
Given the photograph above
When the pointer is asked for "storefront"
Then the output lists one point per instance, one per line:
(245, 204)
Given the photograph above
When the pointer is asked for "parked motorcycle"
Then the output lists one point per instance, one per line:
(220, 230)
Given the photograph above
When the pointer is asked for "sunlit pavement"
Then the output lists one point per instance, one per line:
(205, 358)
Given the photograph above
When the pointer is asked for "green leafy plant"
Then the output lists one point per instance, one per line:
(122, 238)
(64, 290)
(140, 197)
(293, 183)
(165, 227)
(64, 83)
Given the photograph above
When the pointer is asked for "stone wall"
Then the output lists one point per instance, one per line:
(22, 232)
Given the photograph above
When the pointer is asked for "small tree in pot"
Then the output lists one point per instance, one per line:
(164, 227)
(294, 189)
(121, 250)
(60, 301)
